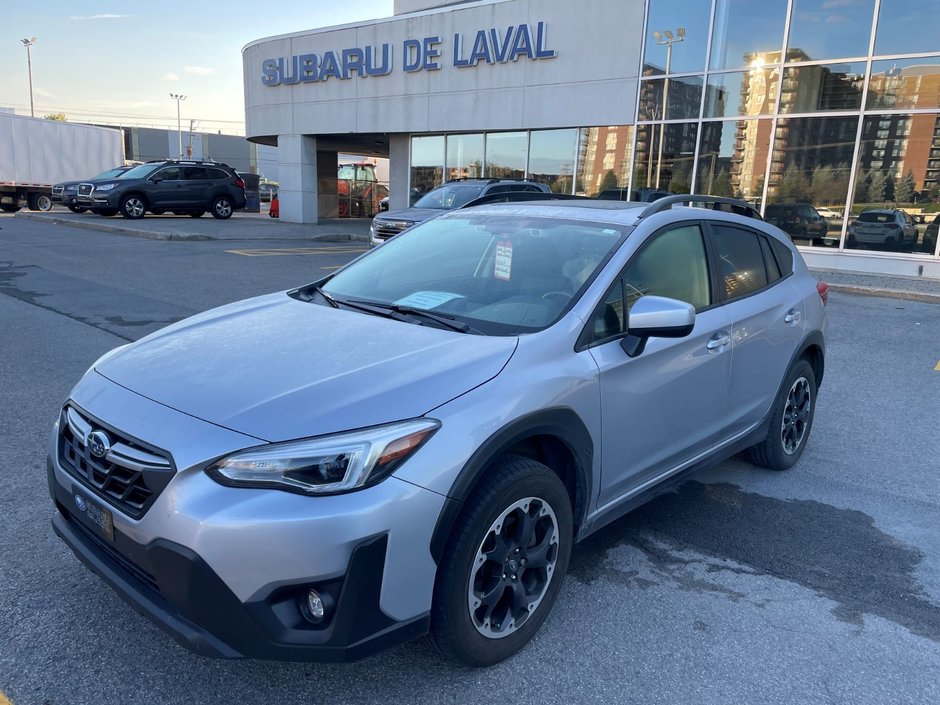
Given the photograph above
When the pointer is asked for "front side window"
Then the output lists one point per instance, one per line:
(171, 173)
(141, 171)
(672, 264)
(450, 196)
(740, 261)
(502, 275)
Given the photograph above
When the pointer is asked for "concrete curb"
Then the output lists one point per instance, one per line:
(114, 229)
(886, 293)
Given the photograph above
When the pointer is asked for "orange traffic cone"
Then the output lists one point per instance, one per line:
(275, 210)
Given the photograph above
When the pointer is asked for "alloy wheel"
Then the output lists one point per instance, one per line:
(513, 567)
(796, 415)
(134, 207)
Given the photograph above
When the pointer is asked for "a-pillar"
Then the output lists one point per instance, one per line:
(297, 178)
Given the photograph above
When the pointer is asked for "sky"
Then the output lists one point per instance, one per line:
(117, 62)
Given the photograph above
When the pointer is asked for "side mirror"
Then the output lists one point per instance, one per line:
(656, 317)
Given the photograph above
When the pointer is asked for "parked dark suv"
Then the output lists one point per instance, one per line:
(184, 187)
(801, 221)
(448, 196)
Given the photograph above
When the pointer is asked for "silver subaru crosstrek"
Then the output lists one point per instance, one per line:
(415, 443)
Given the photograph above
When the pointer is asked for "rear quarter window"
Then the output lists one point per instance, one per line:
(784, 256)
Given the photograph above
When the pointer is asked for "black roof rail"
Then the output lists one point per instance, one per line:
(734, 205)
(513, 196)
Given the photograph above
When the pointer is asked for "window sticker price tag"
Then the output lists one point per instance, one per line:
(503, 263)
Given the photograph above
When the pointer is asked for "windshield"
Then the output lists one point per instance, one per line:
(500, 274)
(449, 196)
(109, 174)
(141, 171)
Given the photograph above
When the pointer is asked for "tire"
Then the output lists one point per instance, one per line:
(222, 208)
(513, 488)
(791, 421)
(105, 212)
(196, 214)
(8, 208)
(77, 209)
(133, 206)
(343, 208)
(39, 202)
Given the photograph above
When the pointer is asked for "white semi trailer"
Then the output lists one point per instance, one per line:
(36, 153)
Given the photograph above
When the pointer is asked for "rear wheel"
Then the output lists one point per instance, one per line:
(791, 422)
(133, 207)
(222, 208)
(504, 563)
(8, 208)
(39, 202)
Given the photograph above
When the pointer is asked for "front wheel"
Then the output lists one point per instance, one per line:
(222, 208)
(133, 207)
(791, 421)
(504, 564)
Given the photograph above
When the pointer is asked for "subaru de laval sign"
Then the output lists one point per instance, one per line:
(489, 46)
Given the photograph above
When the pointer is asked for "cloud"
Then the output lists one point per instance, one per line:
(171, 77)
(200, 70)
(98, 17)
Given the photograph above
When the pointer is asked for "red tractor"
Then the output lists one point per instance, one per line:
(358, 190)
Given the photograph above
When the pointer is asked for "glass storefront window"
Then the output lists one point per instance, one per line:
(740, 93)
(905, 83)
(688, 52)
(664, 155)
(551, 158)
(744, 28)
(464, 156)
(906, 27)
(809, 89)
(733, 159)
(682, 98)
(823, 29)
(506, 154)
(809, 176)
(898, 167)
(604, 161)
(427, 163)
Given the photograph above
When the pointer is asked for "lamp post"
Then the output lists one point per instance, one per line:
(667, 40)
(29, 67)
(179, 127)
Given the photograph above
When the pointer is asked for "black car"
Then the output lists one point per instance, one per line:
(800, 221)
(183, 187)
(66, 192)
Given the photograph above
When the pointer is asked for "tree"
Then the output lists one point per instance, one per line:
(934, 193)
(679, 183)
(906, 188)
(722, 184)
(794, 186)
(822, 183)
(862, 182)
(890, 185)
(877, 187)
(609, 181)
(58, 117)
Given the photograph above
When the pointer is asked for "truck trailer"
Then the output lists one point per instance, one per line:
(36, 153)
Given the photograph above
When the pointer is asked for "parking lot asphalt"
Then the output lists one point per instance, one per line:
(258, 226)
(817, 585)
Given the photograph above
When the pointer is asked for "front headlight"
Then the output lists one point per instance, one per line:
(326, 465)
(105, 187)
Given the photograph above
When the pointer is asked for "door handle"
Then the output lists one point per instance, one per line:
(792, 317)
(718, 342)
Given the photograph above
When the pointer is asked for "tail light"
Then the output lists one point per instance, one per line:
(239, 182)
(823, 290)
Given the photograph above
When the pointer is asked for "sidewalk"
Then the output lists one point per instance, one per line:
(241, 226)
(258, 226)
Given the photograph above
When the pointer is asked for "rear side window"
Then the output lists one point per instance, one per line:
(193, 173)
(784, 256)
(215, 174)
(740, 261)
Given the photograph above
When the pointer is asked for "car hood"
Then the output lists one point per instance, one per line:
(415, 215)
(278, 369)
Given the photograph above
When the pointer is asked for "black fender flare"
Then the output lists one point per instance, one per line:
(561, 423)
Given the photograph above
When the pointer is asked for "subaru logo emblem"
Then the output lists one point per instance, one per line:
(513, 566)
(80, 503)
(99, 444)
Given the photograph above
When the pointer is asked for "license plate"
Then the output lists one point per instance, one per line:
(99, 517)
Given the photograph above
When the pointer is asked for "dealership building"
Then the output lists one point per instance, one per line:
(783, 103)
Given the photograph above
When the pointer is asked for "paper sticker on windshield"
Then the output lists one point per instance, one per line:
(427, 299)
(503, 267)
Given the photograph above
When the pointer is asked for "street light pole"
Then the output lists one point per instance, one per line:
(29, 67)
(666, 39)
(179, 126)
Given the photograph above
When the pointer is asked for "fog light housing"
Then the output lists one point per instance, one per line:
(316, 605)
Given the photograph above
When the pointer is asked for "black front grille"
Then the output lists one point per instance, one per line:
(129, 477)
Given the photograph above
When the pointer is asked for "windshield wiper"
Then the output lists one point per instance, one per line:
(441, 319)
(329, 299)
